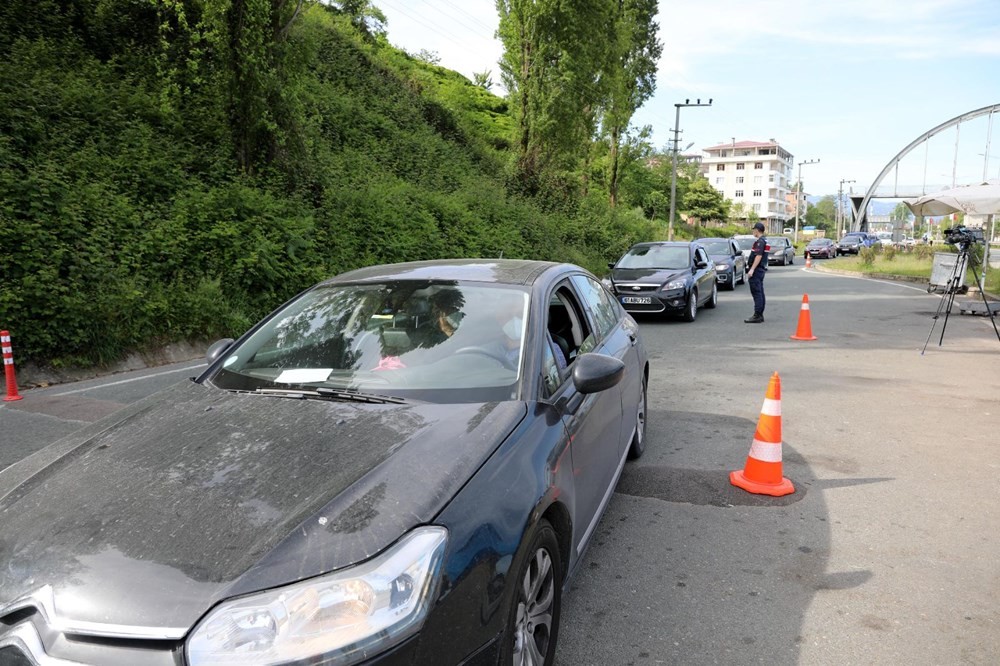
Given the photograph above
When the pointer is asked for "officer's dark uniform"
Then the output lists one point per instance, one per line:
(757, 279)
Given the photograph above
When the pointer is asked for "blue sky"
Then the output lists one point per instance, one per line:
(847, 82)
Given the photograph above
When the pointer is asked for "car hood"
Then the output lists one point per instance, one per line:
(649, 275)
(140, 523)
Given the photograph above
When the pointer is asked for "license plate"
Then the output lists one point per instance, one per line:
(637, 300)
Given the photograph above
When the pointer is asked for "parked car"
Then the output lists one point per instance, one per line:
(853, 241)
(820, 247)
(730, 266)
(378, 472)
(780, 251)
(745, 241)
(670, 277)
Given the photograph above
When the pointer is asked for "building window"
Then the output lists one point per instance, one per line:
(756, 193)
(739, 166)
(756, 208)
(739, 179)
(724, 153)
(739, 194)
(719, 180)
(720, 167)
(758, 165)
(770, 178)
(758, 179)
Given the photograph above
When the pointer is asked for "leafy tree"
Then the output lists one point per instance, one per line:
(630, 75)
(554, 54)
(822, 215)
(430, 57)
(483, 79)
(704, 202)
(901, 212)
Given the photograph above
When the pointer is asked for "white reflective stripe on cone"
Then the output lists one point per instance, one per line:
(8, 361)
(771, 407)
(805, 306)
(765, 451)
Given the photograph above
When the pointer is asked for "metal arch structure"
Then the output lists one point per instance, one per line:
(860, 204)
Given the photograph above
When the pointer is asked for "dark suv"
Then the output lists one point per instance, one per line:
(852, 242)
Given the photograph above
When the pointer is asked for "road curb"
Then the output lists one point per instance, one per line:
(892, 278)
(31, 375)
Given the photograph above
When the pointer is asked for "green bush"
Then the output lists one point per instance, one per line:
(923, 251)
(867, 256)
(889, 252)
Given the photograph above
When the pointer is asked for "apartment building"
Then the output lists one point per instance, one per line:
(755, 174)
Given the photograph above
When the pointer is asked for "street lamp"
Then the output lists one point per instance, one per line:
(798, 196)
(840, 207)
(673, 179)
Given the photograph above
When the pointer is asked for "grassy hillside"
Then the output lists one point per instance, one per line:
(162, 178)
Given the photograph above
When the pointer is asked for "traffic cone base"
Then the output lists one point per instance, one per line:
(783, 487)
(762, 473)
(804, 330)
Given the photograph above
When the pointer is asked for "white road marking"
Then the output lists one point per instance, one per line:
(133, 379)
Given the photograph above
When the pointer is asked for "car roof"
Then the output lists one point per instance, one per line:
(498, 271)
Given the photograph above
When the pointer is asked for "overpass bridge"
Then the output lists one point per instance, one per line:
(968, 154)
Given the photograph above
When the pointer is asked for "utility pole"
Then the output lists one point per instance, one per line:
(840, 208)
(800, 195)
(673, 178)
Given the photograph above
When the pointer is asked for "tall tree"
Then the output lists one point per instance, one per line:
(630, 77)
(554, 55)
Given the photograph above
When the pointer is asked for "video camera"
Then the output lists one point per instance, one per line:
(962, 235)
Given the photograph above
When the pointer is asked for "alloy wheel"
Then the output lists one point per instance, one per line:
(533, 624)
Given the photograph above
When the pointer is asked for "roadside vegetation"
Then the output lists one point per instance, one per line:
(174, 170)
(915, 263)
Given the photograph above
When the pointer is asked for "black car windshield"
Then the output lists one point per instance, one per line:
(745, 243)
(454, 341)
(720, 246)
(656, 256)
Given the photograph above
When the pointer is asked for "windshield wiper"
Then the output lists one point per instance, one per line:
(337, 394)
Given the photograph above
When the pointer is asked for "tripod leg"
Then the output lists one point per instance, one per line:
(949, 297)
(989, 313)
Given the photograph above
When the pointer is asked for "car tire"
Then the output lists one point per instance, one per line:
(691, 308)
(743, 275)
(791, 260)
(528, 639)
(713, 300)
(638, 445)
(731, 285)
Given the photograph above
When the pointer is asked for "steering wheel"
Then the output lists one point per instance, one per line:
(482, 351)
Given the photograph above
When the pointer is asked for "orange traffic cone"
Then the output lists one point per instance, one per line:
(762, 473)
(805, 331)
(809, 261)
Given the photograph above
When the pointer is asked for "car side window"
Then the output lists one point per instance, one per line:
(604, 310)
(567, 324)
(699, 255)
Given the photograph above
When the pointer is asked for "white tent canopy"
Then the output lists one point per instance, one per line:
(981, 199)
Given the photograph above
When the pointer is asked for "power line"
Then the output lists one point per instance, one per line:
(458, 20)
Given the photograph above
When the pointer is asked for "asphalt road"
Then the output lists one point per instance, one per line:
(885, 554)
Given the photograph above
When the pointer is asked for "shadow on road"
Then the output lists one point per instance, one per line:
(685, 568)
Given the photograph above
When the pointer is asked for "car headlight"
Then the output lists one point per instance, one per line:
(340, 618)
(676, 284)
(722, 267)
(607, 285)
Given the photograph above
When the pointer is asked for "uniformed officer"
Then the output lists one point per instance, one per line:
(758, 266)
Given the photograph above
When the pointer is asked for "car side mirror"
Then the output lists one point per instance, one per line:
(217, 349)
(611, 264)
(593, 373)
(700, 263)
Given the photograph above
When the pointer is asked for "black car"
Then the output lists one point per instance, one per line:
(726, 254)
(820, 247)
(671, 277)
(853, 241)
(395, 467)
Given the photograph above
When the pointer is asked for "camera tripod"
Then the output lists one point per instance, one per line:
(965, 258)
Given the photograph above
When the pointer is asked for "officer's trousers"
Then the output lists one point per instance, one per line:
(756, 282)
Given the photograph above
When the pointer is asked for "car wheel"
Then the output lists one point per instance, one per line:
(713, 300)
(638, 446)
(791, 260)
(743, 275)
(691, 311)
(533, 618)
